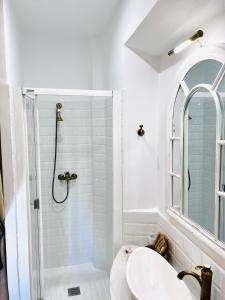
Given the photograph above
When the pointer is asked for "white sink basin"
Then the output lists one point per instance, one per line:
(151, 277)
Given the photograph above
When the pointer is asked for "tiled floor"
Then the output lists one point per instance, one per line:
(93, 283)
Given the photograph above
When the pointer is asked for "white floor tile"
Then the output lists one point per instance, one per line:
(93, 283)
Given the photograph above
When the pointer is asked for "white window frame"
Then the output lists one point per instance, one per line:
(215, 52)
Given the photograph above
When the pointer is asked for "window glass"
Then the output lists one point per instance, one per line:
(199, 159)
(195, 190)
(204, 72)
(179, 102)
(176, 193)
(176, 157)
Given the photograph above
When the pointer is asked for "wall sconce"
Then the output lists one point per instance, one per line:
(186, 43)
(141, 131)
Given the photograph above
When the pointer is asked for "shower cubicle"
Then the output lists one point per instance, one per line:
(74, 184)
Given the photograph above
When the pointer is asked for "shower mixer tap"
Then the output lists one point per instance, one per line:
(67, 176)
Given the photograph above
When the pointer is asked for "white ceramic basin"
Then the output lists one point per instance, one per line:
(151, 277)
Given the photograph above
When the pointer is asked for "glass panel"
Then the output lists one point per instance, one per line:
(78, 234)
(179, 102)
(199, 159)
(203, 72)
(222, 220)
(221, 91)
(176, 157)
(176, 193)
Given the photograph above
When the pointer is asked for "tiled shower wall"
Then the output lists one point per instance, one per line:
(102, 181)
(69, 230)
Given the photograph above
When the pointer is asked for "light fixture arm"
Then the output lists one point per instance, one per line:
(186, 43)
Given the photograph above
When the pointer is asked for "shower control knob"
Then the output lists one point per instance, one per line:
(73, 176)
(59, 105)
(61, 177)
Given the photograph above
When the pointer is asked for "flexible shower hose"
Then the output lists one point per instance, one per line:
(55, 159)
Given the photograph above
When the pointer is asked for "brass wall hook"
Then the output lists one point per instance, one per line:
(141, 131)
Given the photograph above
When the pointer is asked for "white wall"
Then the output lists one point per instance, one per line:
(14, 164)
(2, 45)
(125, 70)
(12, 46)
(55, 62)
(148, 98)
(106, 63)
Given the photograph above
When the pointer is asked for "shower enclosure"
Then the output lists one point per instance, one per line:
(74, 189)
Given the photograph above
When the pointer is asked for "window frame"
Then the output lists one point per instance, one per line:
(202, 55)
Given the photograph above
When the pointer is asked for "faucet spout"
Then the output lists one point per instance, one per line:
(205, 280)
(184, 273)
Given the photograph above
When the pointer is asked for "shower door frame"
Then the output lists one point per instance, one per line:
(117, 237)
(39, 249)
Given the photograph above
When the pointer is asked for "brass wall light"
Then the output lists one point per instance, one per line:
(186, 43)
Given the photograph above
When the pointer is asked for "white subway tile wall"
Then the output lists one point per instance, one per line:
(184, 254)
(102, 181)
(138, 226)
(71, 230)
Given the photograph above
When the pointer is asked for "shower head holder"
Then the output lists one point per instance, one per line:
(59, 105)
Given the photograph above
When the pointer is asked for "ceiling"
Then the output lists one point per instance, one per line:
(67, 18)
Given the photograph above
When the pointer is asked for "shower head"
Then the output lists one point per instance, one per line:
(58, 112)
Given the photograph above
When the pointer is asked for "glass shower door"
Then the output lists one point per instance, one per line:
(34, 212)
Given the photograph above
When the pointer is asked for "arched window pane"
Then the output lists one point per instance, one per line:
(199, 159)
(176, 164)
(179, 103)
(204, 72)
(176, 193)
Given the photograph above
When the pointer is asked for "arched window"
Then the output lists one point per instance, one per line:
(197, 168)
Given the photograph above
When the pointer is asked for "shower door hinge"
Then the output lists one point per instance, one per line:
(36, 204)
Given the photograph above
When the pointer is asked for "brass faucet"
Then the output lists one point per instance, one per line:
(205, 280)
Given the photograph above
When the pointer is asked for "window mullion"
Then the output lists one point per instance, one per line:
(219, 143)
(184, 88)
